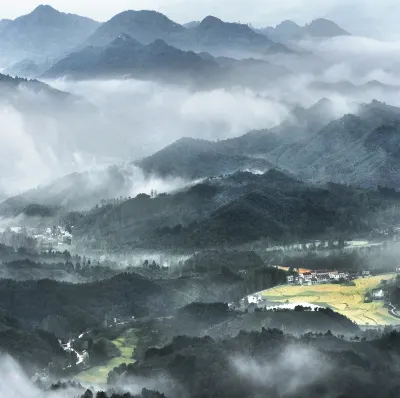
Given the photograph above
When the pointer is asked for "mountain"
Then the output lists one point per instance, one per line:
(144, 26)
(194, 158)
(27, 68)
(211, 34)
(42, 34)
(300, 123)
(10, 86)
(321, 28)
(4, 23)
(357, 149)
(249, 72)
(286, 30)
(289, 30)
(232, 210)
(74, 191)
(187, 159)
(126, 56)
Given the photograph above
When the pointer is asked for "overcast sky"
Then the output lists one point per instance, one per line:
(368, 17)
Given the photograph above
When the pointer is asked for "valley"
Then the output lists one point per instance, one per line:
(199, 205)
(126, 343)
(347, 300)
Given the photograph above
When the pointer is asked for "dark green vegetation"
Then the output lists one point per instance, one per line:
(64, 307)
(358, 149)
(74, 191)
(272, 364)
(193, 159)
(34, 348)
(235, 209)
(34, 312)
(231, 206)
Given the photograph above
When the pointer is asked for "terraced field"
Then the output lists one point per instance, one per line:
(98, 374)
(347, 300)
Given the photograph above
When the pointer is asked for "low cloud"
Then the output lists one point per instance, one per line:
(296, 368)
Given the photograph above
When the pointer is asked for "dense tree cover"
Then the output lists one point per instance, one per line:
(35, 349)
(63, 307)
(144, 394)
(376, 259)
(270, 363)
(79, 307)
(73, 269)
(236, 209)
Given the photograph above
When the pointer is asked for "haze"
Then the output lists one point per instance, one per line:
(371, 18)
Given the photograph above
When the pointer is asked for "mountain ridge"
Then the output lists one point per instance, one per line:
(43, 33)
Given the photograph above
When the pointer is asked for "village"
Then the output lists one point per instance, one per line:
(307, 277)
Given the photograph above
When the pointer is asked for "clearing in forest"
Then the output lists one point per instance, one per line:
(98, 374)
(347, 300)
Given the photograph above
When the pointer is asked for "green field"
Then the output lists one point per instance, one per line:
(98, 374)
(347, 300)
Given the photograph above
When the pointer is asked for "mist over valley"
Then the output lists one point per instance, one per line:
(198, 204)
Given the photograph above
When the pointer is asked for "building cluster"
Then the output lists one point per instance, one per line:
(52, 238)
(317, 277)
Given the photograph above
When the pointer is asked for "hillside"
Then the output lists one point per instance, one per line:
(74, 191)
(194, 158)
(27, 69)
(43, 33)
(271, 363)
(13, 87)
(233, 210)
(356, 149)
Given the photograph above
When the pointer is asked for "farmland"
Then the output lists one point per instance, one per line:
(347, 300)
(98, 374)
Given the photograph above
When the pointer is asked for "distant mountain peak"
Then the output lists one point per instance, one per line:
(321, 21)
(210, 21)
(325, 28)
(288, 23)
(45, 9)
(124, 39)
(318, 28)
(160, 44)
(142, 16)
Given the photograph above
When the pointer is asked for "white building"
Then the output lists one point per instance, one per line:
(378, 294)
(316, 277)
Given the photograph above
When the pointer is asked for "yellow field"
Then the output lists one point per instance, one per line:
(347, 300)
(98, 374)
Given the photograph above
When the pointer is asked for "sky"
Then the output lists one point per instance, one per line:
(364, 17)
